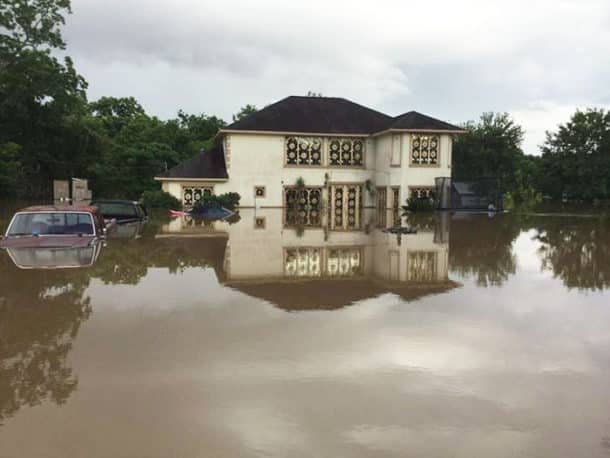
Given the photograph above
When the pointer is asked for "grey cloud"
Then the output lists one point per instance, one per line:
(538, 60)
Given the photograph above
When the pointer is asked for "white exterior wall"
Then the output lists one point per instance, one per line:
(258, 160)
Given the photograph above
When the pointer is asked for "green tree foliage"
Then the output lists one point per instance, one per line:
(576, 158)
(48, 130)
(10, 168)
(138, 146)
(490, 147)
(244, 111)
(41, 98)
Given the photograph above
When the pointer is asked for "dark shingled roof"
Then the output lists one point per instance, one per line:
(417, 121)
(330, 294)
(206, 164)
(328, 115)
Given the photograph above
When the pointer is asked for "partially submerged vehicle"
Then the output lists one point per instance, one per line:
(55, 236)
(123, 211)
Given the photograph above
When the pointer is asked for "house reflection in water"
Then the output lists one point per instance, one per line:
(301, 268)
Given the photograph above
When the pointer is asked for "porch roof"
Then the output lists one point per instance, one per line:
(207, 164)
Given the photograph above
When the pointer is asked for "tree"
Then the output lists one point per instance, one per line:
(490, 147)
(576, 158)
(115, 113)
(244, 111)
(41, 98)
(10, 168)
(32, 24)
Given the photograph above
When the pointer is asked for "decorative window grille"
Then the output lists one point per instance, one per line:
(259, 192)
(422, 192)
(421, 266)
(193, 194)
(344, 262)
(347, 152)
(345, 203)
(303, 206)
(425, 150)
(303, 262)
(304, 151)
(323, 262)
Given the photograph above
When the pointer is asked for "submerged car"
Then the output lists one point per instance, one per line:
(123, 211)
(55, 237)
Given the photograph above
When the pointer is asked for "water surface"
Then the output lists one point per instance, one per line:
(476, 336)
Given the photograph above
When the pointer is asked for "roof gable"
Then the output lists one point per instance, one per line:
(328, 115)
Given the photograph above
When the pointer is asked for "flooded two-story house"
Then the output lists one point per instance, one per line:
(313, 153)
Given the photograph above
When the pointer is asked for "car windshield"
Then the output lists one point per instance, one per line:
(117, 209)
(52, 223)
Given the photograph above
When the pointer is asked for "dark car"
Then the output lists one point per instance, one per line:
(122, 211)
(55, 237)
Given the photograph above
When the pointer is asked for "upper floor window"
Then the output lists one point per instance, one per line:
(346, 152)
(425, 150)
(303, 151)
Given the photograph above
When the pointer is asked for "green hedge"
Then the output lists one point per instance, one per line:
(230, 200)
(160, 199)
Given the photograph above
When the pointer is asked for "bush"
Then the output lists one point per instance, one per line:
(522, 199)
(160, 199)
(420, 204)
(230, 201)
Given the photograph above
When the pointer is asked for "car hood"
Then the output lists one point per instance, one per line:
(65, 241)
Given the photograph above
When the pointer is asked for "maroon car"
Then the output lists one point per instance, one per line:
(54, 236)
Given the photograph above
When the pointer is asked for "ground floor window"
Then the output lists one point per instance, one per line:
(396, 206)
(344, 262)
(303, 206)
(303, 262)
(323, 262)
(422, 192)
(382, 202)
(345, 204)
(421, 266)
(193, 194)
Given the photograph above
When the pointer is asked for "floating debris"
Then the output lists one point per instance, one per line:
(400, 230)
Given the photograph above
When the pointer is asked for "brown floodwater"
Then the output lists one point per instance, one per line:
(474, 337)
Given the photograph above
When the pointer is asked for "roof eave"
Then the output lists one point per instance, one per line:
(280, 132)
(190, 179)
(440, 131)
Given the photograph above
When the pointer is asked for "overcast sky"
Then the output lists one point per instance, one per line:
(537, 59)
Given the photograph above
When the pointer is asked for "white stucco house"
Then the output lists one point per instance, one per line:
(320, 152)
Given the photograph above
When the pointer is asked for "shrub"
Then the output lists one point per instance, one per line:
(420, 204)
(229, 200)
(160, 199)
(522, 199)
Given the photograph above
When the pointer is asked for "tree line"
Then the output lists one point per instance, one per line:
(49, 130)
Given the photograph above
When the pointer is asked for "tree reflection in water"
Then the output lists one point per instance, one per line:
(481, 247)
(576, 250)
(40, 314)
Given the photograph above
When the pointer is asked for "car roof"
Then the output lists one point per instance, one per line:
(60, 208)
(115, 201)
